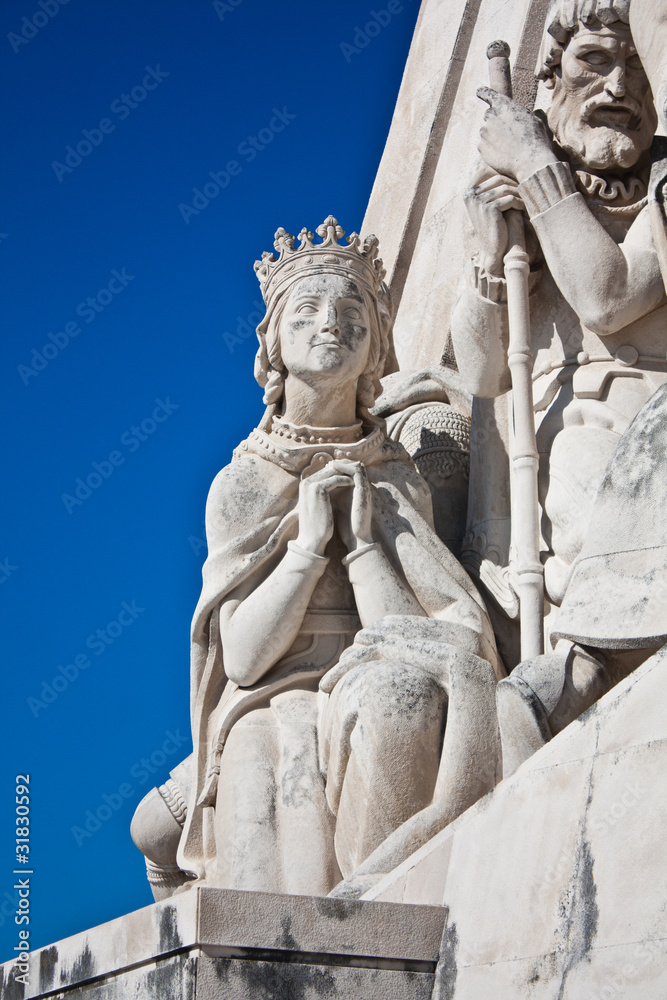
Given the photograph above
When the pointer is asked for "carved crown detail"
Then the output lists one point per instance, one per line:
(357, 261)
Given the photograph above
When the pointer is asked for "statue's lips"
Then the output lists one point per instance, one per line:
(614, 116)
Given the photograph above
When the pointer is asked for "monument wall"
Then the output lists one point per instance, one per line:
(416, 207)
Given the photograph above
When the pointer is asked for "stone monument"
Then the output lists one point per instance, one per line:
(337, 638)
(597, 317)
(389, 795)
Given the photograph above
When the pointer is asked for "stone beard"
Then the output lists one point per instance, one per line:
(603, 123)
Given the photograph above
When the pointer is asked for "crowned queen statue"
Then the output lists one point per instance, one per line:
(343, 664)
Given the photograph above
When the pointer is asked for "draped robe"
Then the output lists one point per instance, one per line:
(618, 595)
(251, 516)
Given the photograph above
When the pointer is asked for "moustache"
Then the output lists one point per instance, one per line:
(626, 114)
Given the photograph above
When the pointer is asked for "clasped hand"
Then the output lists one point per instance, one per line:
(338, 494)
(512, 140)
(513, 144)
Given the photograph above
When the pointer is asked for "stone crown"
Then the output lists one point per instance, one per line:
(357, 261)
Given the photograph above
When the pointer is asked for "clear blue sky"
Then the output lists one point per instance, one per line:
(132, 297)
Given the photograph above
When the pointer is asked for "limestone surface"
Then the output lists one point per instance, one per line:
(556, 881)
(209, 942)
(499, 398)
(343, 663)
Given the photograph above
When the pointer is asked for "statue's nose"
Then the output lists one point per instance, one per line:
(331, 324)
(615, 83)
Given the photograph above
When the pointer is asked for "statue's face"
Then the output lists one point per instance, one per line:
(602, 112)
(325, 329)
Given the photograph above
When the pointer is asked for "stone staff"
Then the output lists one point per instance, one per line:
(524, 457)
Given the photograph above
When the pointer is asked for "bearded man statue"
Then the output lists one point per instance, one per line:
(343, 664)
(598, 323)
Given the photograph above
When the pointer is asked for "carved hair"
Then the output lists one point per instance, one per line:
(564, 18)
(270, 370)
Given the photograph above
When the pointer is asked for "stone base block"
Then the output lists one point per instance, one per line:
(210, 943)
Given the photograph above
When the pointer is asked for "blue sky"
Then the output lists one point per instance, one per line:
(128, 341)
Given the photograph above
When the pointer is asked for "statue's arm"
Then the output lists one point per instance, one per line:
(480, 334)
(261, 619)
(378, 591)
(608, 285)
(259, 628)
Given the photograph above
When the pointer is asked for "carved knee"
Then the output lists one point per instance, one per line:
(381, 692)
(586, 680)
(542, 696)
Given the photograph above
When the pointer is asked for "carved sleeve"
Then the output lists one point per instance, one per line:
(377, 590)
(546, 187)
(258, 629)
(480, 334)
(608, 285)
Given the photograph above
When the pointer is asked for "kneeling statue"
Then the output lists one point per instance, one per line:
(343, 664)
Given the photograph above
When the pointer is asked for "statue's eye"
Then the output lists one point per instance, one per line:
(307, 309)
(596, 57)
(352, 313)
(634, 62)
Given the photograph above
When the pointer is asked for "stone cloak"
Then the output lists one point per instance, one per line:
(251, 516)
(617, 598)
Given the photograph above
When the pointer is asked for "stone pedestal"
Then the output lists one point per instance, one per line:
(553, 885)
(212, 943)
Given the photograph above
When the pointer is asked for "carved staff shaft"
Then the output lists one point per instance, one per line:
(523, 450)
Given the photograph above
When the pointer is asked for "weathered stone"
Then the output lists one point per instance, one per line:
(249, 945)
(343, 665)
(347, 718)
(555, 881)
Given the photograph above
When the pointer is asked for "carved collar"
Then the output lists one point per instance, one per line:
(374, 447)
(626, 195)
(305, 434)
(621, 192)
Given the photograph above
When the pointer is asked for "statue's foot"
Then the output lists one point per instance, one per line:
(156, 830)
(586, 680)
